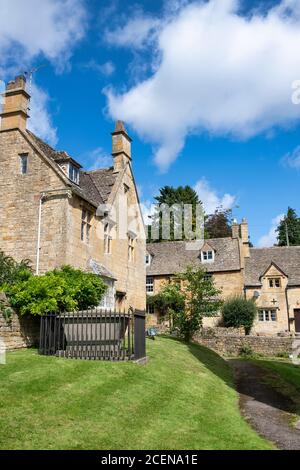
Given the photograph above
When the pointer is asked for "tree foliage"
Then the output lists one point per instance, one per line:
(169, 301)
(170, 196)
(239, 312)
(64, 289)
(289, 229)
(187, 303)
(218, 225)
(11, 271)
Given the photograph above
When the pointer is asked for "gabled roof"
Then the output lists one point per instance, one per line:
(94, 186)
(174, 257)
(286, 258)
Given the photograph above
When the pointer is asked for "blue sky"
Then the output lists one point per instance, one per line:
(204, 88)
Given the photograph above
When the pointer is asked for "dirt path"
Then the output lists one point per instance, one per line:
(266, 409)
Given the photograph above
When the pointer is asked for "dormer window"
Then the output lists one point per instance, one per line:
(274, 282)
(73, 174)
(148, 259)
(207, 256)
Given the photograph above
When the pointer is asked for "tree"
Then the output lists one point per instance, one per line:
(239, 312)
(11, 271)
(201, 300)
(218, 225)
(169, 301)
(65, 289)
(288, 229)
(170, 196)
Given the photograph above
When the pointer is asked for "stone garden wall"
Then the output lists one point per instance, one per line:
(231, 342)
(17, 332)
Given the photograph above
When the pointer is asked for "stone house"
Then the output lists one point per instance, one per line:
(271, 276)
(54, 213)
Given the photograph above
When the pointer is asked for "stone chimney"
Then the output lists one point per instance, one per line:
(121, 147)
(245, 238)
(235, 229)
(16, 104)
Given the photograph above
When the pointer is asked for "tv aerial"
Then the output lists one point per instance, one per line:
(29, 76)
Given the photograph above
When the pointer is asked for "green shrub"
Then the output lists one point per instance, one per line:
(11, 271)
(246, 351)
(65, 289)
(239, 312)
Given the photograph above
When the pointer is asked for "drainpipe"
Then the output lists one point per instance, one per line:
(287, 307)
(39, 236)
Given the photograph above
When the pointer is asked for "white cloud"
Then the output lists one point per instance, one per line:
(98, 158)
(219, 72)
(135, 33)
(107, 68)
(34, 29)
(40, 122)
(31, 28)
(211, 199)
(271, 237)
(148, 210)
(292, 159)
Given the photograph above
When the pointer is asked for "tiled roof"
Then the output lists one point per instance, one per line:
(98, 184)
(286, 258)
(174, 257)
(95, 186)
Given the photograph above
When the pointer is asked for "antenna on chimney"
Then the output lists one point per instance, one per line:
(29, 74)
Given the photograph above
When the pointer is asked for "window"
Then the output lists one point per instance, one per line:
(24, 163)
(107, 239)
(275, 282)
(73, 174)
(86, 218)
(207, 256)
(207, 277)
(150, 309)
(149, 284)
(148, 259)
(131, 248)
(267, 315)
(108, 301)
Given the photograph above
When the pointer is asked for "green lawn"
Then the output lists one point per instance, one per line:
(182, 399)
(283, 375)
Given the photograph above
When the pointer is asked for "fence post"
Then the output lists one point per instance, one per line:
(139, 335)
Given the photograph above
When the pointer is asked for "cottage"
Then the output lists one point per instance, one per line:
(55, 213)
(270, 276)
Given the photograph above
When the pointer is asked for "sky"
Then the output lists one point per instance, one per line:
(209, 92)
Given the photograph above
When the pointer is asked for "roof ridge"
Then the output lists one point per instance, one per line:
(89, 172)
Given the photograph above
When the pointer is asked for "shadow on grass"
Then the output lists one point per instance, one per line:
(249, 379)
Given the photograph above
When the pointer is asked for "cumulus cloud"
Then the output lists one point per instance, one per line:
(31, 28)
(40, 122)
(98, 158)
(219, 72)
(41, 30)
(270, 238)
(211, 199)
(292, 159)
(135, 33)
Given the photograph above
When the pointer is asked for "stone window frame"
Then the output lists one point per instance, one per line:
(148, 259)
(272, 281)
(24, 163)
(107, 239)
(267, 315)
(150, 309)
(149, 284)
(131, 248)
(86, 225)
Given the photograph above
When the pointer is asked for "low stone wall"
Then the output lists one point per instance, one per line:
(234, 344)
(18, 332)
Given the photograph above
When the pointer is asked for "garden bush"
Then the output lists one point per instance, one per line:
(65, 289)
(239, 312)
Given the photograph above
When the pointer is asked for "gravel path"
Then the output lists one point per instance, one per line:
(266, 409)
